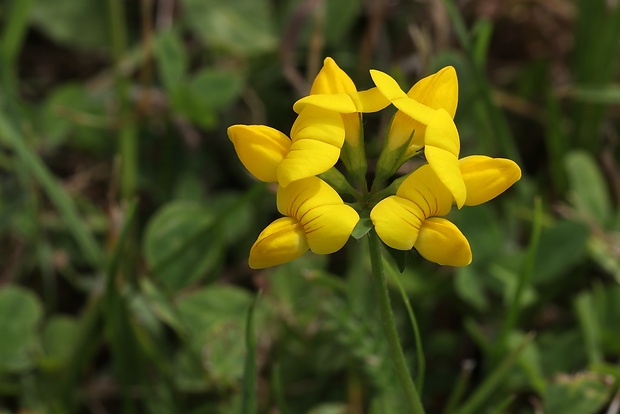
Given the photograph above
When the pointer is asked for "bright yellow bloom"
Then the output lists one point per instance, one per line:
(333, 89)
(412, 217)
(316, 219)
(428, 109)
(314, 147)
(439, 90)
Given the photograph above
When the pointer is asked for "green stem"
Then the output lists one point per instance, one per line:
(128, 142)
(389, 326)
(416, 331)
(524, 279)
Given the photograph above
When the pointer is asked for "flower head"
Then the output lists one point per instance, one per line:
(431, 119)
(316, 219)
(413, 217)
(313, 148)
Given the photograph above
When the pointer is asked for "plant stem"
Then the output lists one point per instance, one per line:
(128, 140)
(389, 326)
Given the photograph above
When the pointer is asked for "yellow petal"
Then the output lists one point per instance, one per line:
(414, 109)
(319, 124)
(424, 189)
(401, 129)
(282, 241)
(331, 80)
(442, 147)
(301, 196)
(341, 103)
(306, 158)
(439, 90)
(387, 85)
(328, 227)
(486, 177)
(318, 136)
(397, 222)
(446, 166)
(371, 100)
(260, 149)
(440, 241)
(441, 132)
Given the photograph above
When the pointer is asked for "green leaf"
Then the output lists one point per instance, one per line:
(20, 313)
(74, 23)
(362, 228)
(171, 57)
(584, 393)
(560, 247)
(215, 318)
(607, 94)
(217, 88)
(339, 17)
(470, 287)
(243, 27)
(208, 92)
(58, 332)
(587, 315)
(72, 112)
(589, 192)
(178, 243)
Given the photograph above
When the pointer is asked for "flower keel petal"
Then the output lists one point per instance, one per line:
(260, 149)
(397, 222)
(282, 241)
(486, 177)
(440, 241)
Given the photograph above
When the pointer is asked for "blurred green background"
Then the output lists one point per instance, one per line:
(126, 218)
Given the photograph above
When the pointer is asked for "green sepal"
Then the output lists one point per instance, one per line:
(362, 228)
(338, 182)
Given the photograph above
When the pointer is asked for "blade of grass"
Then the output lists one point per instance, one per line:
(524, 278)
(128, 139)
(490, 384)
(248, 392)
(16, 23)
(597, 35)
(278, 390)
(460, 387)
(63, 203)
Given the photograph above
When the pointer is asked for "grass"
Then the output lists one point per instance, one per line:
(126, 218)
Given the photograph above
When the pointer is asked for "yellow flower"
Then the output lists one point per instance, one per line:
(424, 118)
(314, 147)
(333, 89)
(413, 217)
(439, 90)
(316, 219)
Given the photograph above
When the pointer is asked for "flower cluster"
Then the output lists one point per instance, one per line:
(328, 128)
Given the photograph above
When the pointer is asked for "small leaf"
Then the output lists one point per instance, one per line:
(58, 332)
(560, 247)
(242, 27)
(74, 23)
(20, 313)
(584, 393)
(215, 318)
(362, 228)
(400, 257)
(171, 57)
(589, 191)
(217, 88)
(469, 286)
(178, 245)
